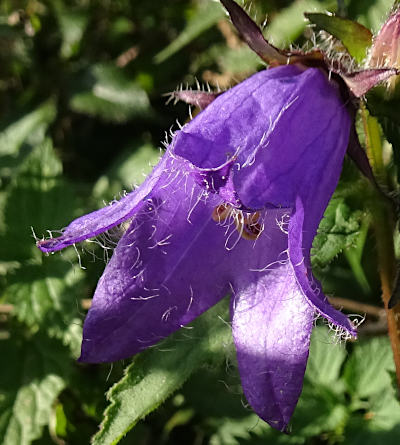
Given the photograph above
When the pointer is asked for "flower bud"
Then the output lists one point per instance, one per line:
(385, 50)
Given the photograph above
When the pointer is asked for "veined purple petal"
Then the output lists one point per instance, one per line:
(236, 122)
(101, 220)
(305, 141)
(295, 149)
(173, 263)
(272, 323)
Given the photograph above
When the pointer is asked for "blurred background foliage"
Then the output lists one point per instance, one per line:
(82, 114)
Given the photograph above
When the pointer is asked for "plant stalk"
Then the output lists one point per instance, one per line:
(383, 221)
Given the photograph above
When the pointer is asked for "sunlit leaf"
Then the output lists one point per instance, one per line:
(72, 26)
(108, 93)
(366, 372)
(29, 129)
(156, 373)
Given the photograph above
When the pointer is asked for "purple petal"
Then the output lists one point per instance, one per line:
(307, 139)
(159, 276)
(295, 149)
(272, 323)
(222, 130)
(252, 34)
(99, 221)
(302, 228)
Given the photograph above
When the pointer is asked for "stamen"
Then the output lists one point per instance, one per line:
(221, 212)
(247, 224)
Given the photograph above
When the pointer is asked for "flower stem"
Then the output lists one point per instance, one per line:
(383, 219)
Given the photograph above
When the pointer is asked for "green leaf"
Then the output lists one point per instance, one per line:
(387, 110)
(106, 92)
(72, 25)
(380, 424)
(207, 15)
(238, 60)
(29, 385)
(288, 24)
(43, 291)
(30, 130)
(156, 373)
(322, 405)
(366, 372)
(326, 359)
(338, 230)
(234, 431)
(354, 36)
(45, 297)
(36, 198)
(128, 170)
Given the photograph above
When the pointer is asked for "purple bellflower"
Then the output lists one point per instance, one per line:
(231, 208)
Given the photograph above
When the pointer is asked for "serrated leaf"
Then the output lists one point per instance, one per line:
(325, 360)
(29, 384)
(156, 373)
(207, 15)
(45, 297)
(337, 231)
(106, 92)
(44, 292)
(36, 197)
(354, 36)
(366, 372)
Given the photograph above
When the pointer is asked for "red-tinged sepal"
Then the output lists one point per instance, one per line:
(200, 99)
(360, 82)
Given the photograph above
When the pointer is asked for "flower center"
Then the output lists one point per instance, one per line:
(248, 225)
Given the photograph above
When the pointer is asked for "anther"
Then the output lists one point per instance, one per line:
(221, 212)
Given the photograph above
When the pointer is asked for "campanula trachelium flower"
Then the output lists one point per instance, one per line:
(231, 208)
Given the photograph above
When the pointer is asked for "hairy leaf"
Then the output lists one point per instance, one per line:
(156, 373)
(337, 231)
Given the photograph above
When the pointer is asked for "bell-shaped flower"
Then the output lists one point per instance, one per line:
(231, 208)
